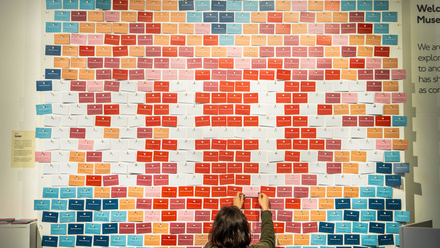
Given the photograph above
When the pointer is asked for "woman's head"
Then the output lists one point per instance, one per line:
(230, 229)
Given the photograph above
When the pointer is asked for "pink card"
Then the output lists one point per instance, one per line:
(243, 63)
(153, 192)
(85, 144)
(153, 74)
(310, 203)
(169, 75)
(259, 63)
(145, 86)
(299, 51)
(399, 97)
(267, 51)
(292, 179)
(234, 74)
(267, 28)
(398, 74)
(185, 215)
(111, 62)
(136, 74)
(177, 203)
(210, 86)
(316, 51)
(234, 51)
(210, 63)
(373, 63)
(251, 191)
(349, 97)
(324, 63)
(78, 39)
(219, 74)
(383, 144)
(276, 203)
(299, 5)
(284, 52)
(291, 63)
(307, 16)
(177, 63)
(202, 28)
(291, 40)
(315, 28)
(283, 191)
(145, 63)
(95, 86)
(332, 28)
(42, 157)
(95, 39)
(340, 40)
(186, 51)
(299, 74)
(111, 16)
(381, 97)
(186, 75)
(307, 63)
(152, 216)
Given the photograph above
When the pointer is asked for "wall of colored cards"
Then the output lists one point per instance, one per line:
(152, 114)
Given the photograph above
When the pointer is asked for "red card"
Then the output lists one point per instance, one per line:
(383, 121)
(193, 203)
(152, 28)
(348, 51)
(310, 227)
(103, 121)
(308, 133)
(168, 240)
(333, 168)
(325, 156)
(243, 179)
(243, 156)
(120, 74)
(292, 156)
(284, 168)
(317, 145)
(250, 144)
(374, 85)
(211, 179)
(291, 132)
(143, 156)
(143, 228)
(234, 98)
(242, 109)
(218, 98)
(203, 168)
(126, 228)
(324, 109)
(161, 156)
(128, 39)
(366, 121)
(226, 63)
(380, 51)
(151, 121)
(202, 144)
(119, 192)
(243, 86)
(186, 191)
(234, 121)
(77, 133)
(349, 121)
(93, 180)
(365, 75)
(93, 156)
(145, 16)
(250, 121)
(153, 51)
(210, 203)
(201, 121)
(267, 74)
(250, 98)
(210, 109)
(144, 180)
(160, 203)
(234, 144)
(169, 191)
(300, 192)
(283, 121)
(161, 109)
(299, 121)
(160, 180)
(145, 40)
(218, 191)
(169, 215)
(284, 191)
(300, 168)
(169, 121)
(250, 168)
(226, 179)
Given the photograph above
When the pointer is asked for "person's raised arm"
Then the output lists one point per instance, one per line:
(239, 199)
(267, 238)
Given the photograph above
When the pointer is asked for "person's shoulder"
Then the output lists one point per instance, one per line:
(210, 245)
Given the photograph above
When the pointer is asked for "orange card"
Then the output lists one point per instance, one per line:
(334, 191)
(300, 28)
(170, 5)
(87, 27)
(128, 63)
(186, 28)
(326, 203)
(200, 239)
(160, 132)
(78, 63)
(75, 180)
(95, 16)
(136, 51)
(349, 75)
(120, 28)
(135, 216)
(102, 168)
(101, 192)
(340, 16)
(104, 28)
(317, 192)
(104, 51)
(399, 144)
(285, 239)
(302, 239)
(152, 240)
(69, 74)
(391, 109)
(373, 40)
(178, 16)
(317, 215)
(161, 39)
(111, 133)
(351, 191)
(291, 17)
(161, 16)
(390, 63)
(202, 51)
(258, 40)
(316, 5)
(153, 5)
(341, 109)
(357, 39)
(137, 4)
(274, 40)
(342, 156)
(127, 204)
(307, 40)
(332, 5)
(61, 62)
(364, 51)
(242, 40)
(250, 51)
(160, 227)
(282, 5)
(358, 109)
(341, 63)
(359, 156)
(128, 16)
(218, 52)
(374, 133)
(84, 168)
(250, 28)
(390, 86)
(323, 16)
(86, 74)
(70, 51)
(391, 133)
(194, 40)
(61, 39)
(350, 168)
(333, 52)
(258, 17)
(135, 192)
(301, 215)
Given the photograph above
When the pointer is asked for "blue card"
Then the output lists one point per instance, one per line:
(93, 228)
(202, 5)
(368, 191)
(101, 216)
(376, 227)
(401, 168)
(49, 241)
(44, 85)
(85, 192)
(357, 203)
(54, 4)
(372, 17)
(393, 204)
(58, 229)
(365, 5)
(243, 17)
(135, 240)
(53, 50)
(343, 227)
(110, 204)
(226, 17)
(383, 168)
(70, 27)
(84, 240)
(392, 227)
(390, 39)
(74, 228)
(367, 215)
(352, 239)
(233, 5)
(318, 239)
(384, 215)
(250, 5)
(326, 227)
(118, 240)
(41, 205)
(194, 17)
(52, 74)
(359, 227)
(381, 5)
(392, 156)
(334, 215)
(351, 215)
(335, 239)
(75, 204)
(67, 241)
(393, 180)
(66, 217)
(70, 4)
(376, 204)
(218, 5)
(109, 228)
(99, 240)
(369, 240)
(348, 5)
(267, 5)
(343, 203)
(376, 180)
(87, 4)
(218, 28)
(381, 28)
(186, 5)
(43, 133)
(387, 239)
(50, 192)
(389, 16)
(59, 205)
(234, 28)
(210, 17)
(62, 16)
(84, 216)
(397, 240)
(93, 204)
(49, 217)
(118, 216)
(104, 4)
(53, 27)
(44, 109)
(386, 192)
(401, 216)
(69, 192)
(400, 121)
(226, 40)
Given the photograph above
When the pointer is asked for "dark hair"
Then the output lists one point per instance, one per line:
(230, 229)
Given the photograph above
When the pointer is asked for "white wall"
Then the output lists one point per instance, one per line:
(20, 50)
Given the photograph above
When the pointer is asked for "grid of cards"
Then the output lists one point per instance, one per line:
(156, 113)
